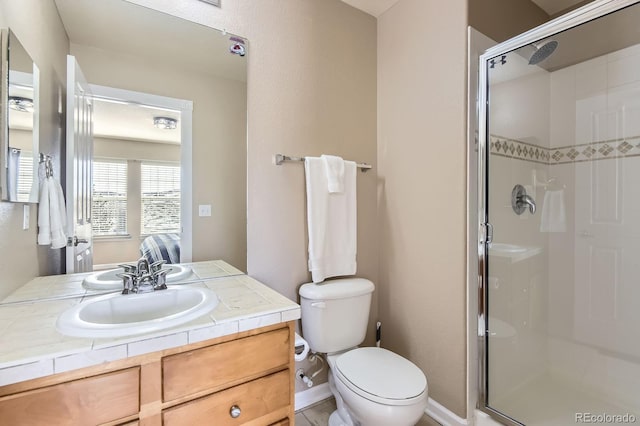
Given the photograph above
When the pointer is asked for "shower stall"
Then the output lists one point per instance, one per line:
(559, 221)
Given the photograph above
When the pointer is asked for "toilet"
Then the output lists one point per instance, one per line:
(372, 386)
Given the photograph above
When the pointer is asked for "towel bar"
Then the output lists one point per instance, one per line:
(280, 158)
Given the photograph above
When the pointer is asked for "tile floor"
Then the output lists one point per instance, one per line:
(318, 415)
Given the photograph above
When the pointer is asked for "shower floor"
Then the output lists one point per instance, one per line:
(547, 401)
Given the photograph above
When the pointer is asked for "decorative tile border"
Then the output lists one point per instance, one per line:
(512, 148)
(601, 150)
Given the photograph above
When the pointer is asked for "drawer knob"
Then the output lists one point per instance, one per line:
(235, 411)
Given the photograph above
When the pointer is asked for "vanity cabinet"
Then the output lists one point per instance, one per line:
(246, 378)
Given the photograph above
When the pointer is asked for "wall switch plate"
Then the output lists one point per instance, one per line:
(26, 214)
(204, 210)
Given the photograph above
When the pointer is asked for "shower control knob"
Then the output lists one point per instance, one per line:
(520, 201)
(235, 411)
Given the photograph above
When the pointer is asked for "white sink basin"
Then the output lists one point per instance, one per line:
(107, 280)
(117, 315)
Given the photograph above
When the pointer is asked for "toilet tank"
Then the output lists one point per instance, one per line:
(335, 313)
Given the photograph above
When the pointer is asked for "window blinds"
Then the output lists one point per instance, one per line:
(109, 198)
(160, 198)
(25, 176)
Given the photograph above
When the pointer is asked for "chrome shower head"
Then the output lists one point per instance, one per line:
(543, 52)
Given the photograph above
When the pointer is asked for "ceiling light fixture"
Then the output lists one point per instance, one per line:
(21, 104)
(165, 123)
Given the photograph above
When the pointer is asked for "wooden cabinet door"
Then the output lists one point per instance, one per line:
(94, 400)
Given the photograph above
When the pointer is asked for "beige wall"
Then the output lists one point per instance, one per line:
(503, 19)
(422, 190)
(312, 90)
(37, 25)
(219, 141)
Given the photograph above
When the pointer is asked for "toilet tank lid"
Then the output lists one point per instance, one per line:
(337, 289)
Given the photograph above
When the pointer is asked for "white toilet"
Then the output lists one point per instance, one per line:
(372, 386)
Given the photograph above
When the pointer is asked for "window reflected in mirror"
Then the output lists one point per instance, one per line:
(20, 184)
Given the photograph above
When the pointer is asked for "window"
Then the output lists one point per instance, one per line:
(160, 185)
(25, 176)
(109, 206)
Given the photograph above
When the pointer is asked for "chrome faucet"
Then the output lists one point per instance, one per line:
(142, 266)
(143, 277)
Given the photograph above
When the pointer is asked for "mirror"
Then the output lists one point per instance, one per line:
(19, 141)
(189, 62)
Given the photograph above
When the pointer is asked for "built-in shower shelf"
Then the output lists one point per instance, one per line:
(514, 252)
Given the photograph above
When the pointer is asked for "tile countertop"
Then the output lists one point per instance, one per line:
(31, 347)
(62, 286)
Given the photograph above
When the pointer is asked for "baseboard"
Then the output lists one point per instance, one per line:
(312, 395)
(442, 415)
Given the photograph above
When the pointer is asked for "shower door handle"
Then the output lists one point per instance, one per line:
(488, 233)
(520, 200)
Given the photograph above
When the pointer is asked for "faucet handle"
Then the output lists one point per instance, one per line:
(520, 200)
(128, 282)
(160, 280)
(156, 266)
(128, 268)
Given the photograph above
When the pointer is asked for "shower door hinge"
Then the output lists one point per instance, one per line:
(487, 231)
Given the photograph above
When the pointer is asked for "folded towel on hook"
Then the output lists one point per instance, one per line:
(331, 222)
(334, 169)
(52, 215)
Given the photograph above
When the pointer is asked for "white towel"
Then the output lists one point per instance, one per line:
(58, 215)
(334, 168)
(44, 226)
(332, 223)
(52, 215)
(553, 218)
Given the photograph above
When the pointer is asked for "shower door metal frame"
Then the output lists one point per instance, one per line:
(580, 16)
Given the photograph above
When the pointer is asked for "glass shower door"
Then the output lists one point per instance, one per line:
(562, 166)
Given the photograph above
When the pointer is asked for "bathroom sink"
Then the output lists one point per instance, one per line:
(118, 315)
(108, 280)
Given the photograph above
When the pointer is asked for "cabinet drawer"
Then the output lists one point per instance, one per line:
(283, 422)
(230, 362)
(254, 399)
(93, 400)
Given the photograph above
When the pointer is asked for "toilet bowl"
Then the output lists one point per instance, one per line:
(372, 386)
(376, 387)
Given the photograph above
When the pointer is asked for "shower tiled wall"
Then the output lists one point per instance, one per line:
(593, 296)
(576, 129)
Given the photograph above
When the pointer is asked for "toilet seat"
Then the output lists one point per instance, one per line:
(381, 376)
